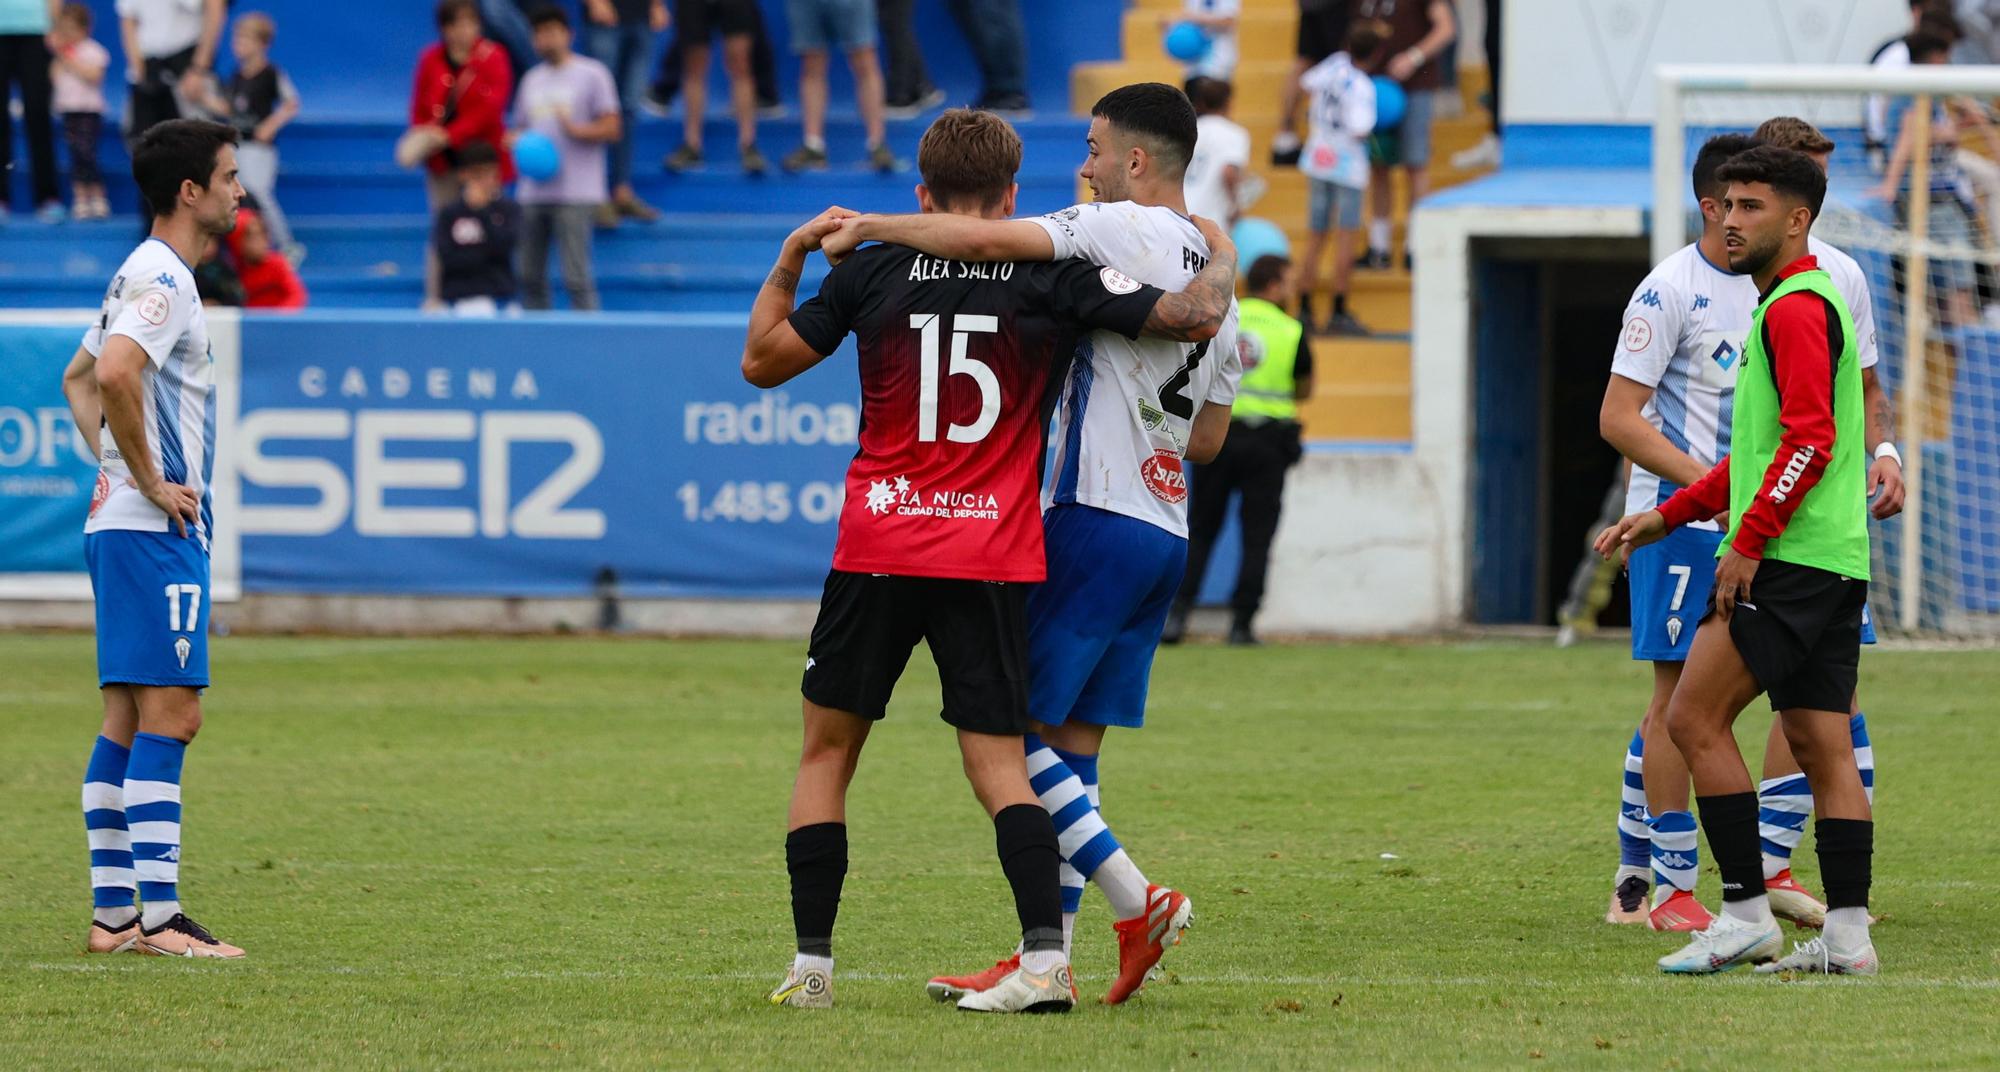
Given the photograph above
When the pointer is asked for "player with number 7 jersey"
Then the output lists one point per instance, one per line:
(940, 536)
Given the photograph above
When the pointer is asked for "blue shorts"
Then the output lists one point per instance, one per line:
(152, 607)
(1094, 624)
(831, 25)
(1670, 584)
(1332, 205)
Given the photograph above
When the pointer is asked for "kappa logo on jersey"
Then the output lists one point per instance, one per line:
(1700, 302)
(1674, 629)
(1652, 298)
(167, 280)
(1164, 476)
(1638, 333)
(1117, 282)
(182, 649)
(153, 308)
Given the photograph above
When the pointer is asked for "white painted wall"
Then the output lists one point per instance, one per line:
(1591, 61)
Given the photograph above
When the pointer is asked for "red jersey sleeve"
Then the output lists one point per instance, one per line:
(1701, 500)
(1798, 341)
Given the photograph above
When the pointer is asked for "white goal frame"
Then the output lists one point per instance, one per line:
(1669, 218)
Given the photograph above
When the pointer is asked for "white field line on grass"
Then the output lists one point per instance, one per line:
(1894, 982)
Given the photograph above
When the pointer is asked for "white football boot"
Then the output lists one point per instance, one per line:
(1727, 943)
(1025, 991)
(808, 988)
(1817, 956)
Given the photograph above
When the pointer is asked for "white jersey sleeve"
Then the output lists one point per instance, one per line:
(150, 302)
(1128, 405)
(1654, 321)
(1852, 283)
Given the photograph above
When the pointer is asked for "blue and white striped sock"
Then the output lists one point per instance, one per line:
(1676, 856)
(1783, 805)
(153, 808)
(1635, 838)
(1088, 845)
(111, 879)
(1864, 753)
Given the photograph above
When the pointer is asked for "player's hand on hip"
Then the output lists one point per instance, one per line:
(177, 501)
(1732, 581)
(1885, 487)
(1631, 531)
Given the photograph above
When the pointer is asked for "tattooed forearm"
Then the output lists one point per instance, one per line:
(783, 279)
(1880, 412)
(1197, 312)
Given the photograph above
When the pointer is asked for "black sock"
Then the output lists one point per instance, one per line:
(1026, 838)
(816, 856)
(1846, 860)
(1339, 304)
(1731, 825)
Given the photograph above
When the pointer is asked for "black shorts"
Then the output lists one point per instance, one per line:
(978, 632)
(1322, 28)
(695, 20)
(1800, 635)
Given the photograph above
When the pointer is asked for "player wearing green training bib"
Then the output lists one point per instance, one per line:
(1791, 583)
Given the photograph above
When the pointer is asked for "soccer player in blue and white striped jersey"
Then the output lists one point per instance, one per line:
(1668, 409)
(143, 381)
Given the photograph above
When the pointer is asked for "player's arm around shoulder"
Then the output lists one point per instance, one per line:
(948, 235)
(774, 351)
(1196, 312)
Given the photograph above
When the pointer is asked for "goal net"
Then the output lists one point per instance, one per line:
(1913, 195)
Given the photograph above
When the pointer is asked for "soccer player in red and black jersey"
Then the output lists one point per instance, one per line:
(941, 534)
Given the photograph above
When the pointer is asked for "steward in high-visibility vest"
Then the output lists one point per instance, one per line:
(1263, 442)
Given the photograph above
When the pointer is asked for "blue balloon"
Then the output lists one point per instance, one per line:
(1187, 42)
(1390, 102)
(1255, 237)
(535, 156)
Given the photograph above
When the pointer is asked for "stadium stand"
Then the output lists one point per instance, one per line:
(363, 218)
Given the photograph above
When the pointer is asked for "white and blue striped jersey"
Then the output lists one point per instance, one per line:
(152, 301)
(1684, 332)
(1127, 405)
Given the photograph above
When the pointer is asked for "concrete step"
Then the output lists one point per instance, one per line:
(1259, 32)
(1364, 413)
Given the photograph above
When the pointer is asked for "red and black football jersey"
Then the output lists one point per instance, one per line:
(956, 363)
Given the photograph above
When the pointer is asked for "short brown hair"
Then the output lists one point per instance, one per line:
(77, 15)
(450, 11)
(1266, 272)
(968, 159)
(1791, 132)
(260, 26)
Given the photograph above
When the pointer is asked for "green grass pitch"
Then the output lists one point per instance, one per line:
(568, 853)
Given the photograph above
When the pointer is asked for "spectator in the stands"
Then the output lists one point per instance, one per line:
(1979, 40)
(1217, 19)
(259, 100)
(763, 70)
(1322, 28)
(463, 84)
(24, 63)
(1221, 161)
(268, 278)
(78, 76)
(999, 41)
(474, 239)
(1340, 101)
(1418, 34)
(1486, 154)
(908, 89)
(169, 57)
(215, 279)
(818, 28)
(1951, 200)
(620, 36)
(570, 100)
(505, 23)
(738, 22)
(1881, 112)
